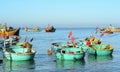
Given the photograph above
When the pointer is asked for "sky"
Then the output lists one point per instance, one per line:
(60, 13)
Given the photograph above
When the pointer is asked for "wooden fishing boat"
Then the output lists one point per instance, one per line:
(110, 29)
(105, 30)
(100, 49)
(32, 29)
(116, 30)
(9, 41)
(67, 52)
(11, 32)
(108, 32)
(17, 52)
(50, 29)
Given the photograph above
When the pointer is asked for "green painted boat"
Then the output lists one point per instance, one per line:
(104, 52)
(100, 49)
(18, 53)
(82, 44)
(70, 55)
(67, 52)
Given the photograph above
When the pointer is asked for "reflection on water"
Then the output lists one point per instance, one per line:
(104, 58)
(67, 64)
(18, 65)
(99, 58)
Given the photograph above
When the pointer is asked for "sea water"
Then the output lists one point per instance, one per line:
(45, 63)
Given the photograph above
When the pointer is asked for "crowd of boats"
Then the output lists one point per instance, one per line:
(37, 29)
(13, 49)
(77, 50)
(110, 29)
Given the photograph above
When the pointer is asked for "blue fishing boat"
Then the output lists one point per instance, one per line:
(9, 41)
(16, 52)
(100, 49)
(96, 49)
(67, 52)
(70, 54)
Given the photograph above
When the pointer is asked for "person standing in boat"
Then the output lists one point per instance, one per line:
(24, 45)
(18, 38)
(29, 47)
(87, 40)
(95, 41)
(7, 42)
(88, 43)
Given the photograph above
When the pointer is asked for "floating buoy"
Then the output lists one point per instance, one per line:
(49, 52)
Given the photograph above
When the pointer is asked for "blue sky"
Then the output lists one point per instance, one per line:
(60, 13)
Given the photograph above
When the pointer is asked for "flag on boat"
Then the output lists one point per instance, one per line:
(3, 35)
(92, 36)
(31, 39)
(72, 40)
(18, 38)
(70, 34)
(102, 34)
(96, 30)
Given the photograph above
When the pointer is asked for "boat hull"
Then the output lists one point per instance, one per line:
(18, 53)
(12, 33)
(50, 30)
(63, 52)
(17, 56)
(104, 52)
(100, 50)
(70, 56)
(33, 30)
(115, 30)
